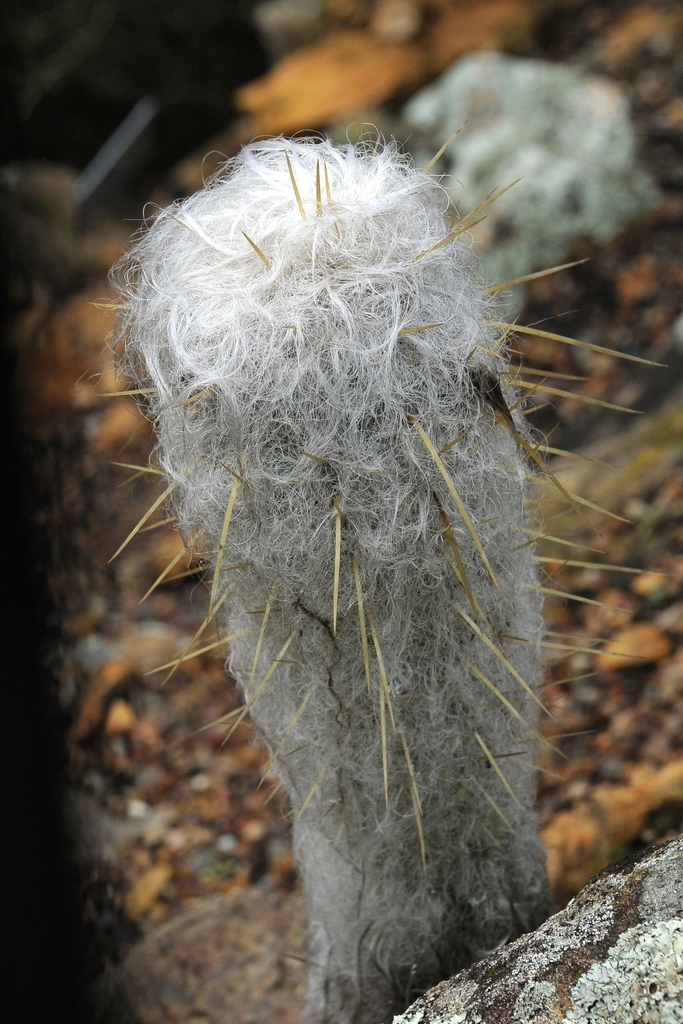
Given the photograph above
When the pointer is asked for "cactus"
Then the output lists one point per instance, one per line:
(341, 442)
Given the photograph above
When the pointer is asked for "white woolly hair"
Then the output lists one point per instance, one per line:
(311, 347)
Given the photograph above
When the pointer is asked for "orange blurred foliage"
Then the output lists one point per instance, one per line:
(582, 841)
(351, 70)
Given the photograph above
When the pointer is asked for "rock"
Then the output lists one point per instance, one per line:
(568, 136)
(395, 21)
(614, 954)
(285, 25)
(236, 958)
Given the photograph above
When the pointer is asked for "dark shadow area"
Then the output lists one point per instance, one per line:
(72, 70)
(39, 934)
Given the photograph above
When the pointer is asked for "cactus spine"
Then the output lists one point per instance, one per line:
(333, 419)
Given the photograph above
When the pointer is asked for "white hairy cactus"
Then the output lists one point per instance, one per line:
(316, 353)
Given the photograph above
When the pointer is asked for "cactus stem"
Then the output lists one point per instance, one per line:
(487, 796)
(461, 436)
(224, 536)
(501, 657)
(417, 803)
(259, 642)
(496, 767)
(313, 790)
(361, 620)
(456, 498)
(264, 682)
(358, 730)
(288, 731)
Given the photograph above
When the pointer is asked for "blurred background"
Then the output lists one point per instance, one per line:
(152, 876)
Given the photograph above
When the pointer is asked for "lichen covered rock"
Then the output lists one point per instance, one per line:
(567, 136)
(614, 954)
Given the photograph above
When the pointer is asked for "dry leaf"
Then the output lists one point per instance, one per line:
(253, 830)
(153, 644)
(146, 890)
(59, 363)
(120, 718)
(146, 739)
(638, 27)
(639, 280)
(638, 644)
(465, 27)
(319, 84)
(100, 685)
(648, 583)
(582, 841)
(616, 612)
(352, 70)
(671, 117)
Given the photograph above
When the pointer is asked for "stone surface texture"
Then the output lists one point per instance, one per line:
(614, 954)
(236, 957)
(566, 135)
